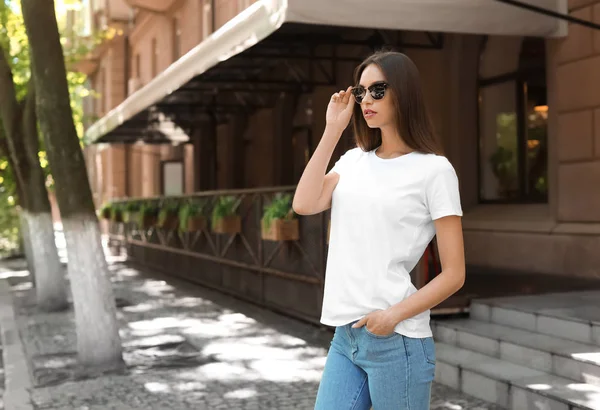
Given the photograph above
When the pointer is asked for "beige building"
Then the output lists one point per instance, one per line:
(201, 95)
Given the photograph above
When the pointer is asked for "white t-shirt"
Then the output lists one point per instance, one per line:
(382, 216)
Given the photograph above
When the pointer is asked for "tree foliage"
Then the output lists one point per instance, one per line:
(13, 40)
(9, 220)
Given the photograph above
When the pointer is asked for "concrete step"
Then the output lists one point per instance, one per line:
(510, 385)
(574, 315)
(562, 357)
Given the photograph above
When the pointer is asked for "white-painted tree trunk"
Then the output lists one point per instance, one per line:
(51, 290)
(98, 340)
(27, 245)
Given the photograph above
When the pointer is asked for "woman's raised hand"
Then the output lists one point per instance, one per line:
(339, 110)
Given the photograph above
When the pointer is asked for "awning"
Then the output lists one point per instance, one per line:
(458, 16)
(265, 17)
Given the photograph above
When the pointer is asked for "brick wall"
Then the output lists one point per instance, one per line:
(115, 73)
(191, 24)
(225, 10)
(562, 237)
(152, 34)
(577, 65)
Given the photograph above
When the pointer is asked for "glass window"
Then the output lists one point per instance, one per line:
(498, 142)
(154, 57)
(207, 19)
(176, 38)
(513, 116)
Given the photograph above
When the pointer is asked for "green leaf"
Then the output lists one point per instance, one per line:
(13, 39)
(225, 206)
(190, 209)
(279, 208)
(169, 208)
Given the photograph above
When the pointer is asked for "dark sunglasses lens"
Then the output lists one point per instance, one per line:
(378, 92)
(358, 93)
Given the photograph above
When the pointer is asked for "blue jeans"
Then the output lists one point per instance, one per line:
(386, 372)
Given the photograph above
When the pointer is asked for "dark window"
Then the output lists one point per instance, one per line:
(513, 114)
(154, 57)
(176, 38)
(138, 67)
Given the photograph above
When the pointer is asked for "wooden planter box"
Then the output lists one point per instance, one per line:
(118, 217)
(229, 224)
(196, 223)
(148, 221)
(281, 230)
(171, 222)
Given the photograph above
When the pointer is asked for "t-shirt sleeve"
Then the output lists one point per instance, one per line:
(341, 164)
(442, 193)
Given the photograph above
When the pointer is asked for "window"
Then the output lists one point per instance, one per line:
(172, 178)
(138, 67)
(102, 86)
(207, 19)
(89, 105)
(85, 17)
(176, 33)
(154, 57)
(513, 115)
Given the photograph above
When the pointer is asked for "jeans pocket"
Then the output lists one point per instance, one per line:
(429, 349)
(378, 336)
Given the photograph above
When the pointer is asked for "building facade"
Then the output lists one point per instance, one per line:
(514, 96)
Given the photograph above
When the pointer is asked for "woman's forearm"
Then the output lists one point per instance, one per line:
(310, 186)
(439, 289)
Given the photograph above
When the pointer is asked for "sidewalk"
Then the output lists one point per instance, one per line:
(186, 348)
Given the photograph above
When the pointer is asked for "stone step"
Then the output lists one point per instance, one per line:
(554, 355)
(510, 385)
(573, 315)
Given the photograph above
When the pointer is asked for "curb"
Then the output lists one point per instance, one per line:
(16, 368)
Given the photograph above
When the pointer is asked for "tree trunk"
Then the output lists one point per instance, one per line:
(51, 288)
(27, 246)
(98, 341)
(20, 123)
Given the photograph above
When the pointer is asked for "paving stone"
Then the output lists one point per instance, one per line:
(186, 348)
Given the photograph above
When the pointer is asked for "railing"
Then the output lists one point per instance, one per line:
(284, 274)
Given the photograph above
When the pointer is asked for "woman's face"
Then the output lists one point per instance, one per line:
(378, 113)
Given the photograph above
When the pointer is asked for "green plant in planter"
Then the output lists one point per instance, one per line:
(147, 214)
(504, 167)
(117, 212)
(188, 211)
(225, 206)
(279, 208)
(130, 210)
(106, 211)
(170, 209)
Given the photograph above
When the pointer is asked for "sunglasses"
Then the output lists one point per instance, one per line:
(376, 90)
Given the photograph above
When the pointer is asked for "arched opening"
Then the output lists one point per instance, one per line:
(513, 114)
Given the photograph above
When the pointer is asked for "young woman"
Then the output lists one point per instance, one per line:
(388, 196)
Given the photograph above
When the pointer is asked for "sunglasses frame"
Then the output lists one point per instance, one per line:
(370, 89)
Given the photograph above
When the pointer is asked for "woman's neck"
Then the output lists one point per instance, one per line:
(392, 144)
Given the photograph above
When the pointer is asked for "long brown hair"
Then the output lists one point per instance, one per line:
(412, 119)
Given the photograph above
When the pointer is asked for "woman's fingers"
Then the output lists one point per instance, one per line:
(342, 96)
(361, 322)
(347, 95)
